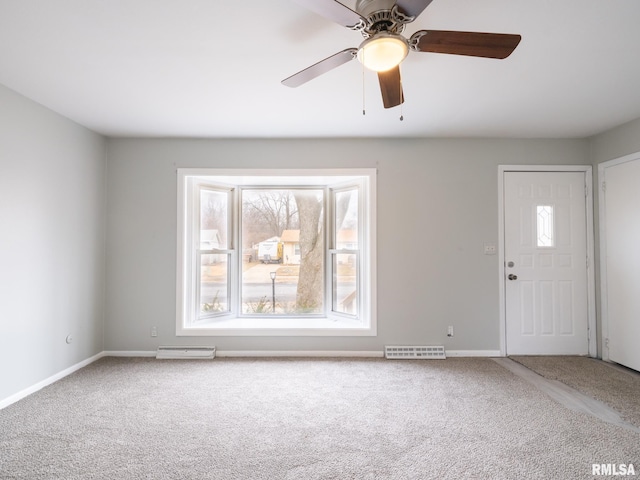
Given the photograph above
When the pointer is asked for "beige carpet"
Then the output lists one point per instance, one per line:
(302, 419)
(613, 385)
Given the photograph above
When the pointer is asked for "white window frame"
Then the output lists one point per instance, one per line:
(234, 324)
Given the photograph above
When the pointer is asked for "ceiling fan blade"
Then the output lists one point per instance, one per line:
(391, 87)
(474, 44)
(413, 8)
(335, 11)
(317, 69)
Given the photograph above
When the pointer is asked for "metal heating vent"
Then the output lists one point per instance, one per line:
(167, 352)
(414, 352)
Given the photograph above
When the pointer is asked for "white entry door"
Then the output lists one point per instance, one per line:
(545, 264)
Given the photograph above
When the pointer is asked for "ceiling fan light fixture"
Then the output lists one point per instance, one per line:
(383, 51)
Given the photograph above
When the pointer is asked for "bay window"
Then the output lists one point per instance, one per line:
(270, 252)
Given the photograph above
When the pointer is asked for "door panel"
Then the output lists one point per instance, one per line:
(622, 239)
(545, 263)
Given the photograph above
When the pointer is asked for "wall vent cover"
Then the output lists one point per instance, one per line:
(412, 352)
(169, 352)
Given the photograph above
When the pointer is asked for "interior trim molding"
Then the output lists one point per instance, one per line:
(473, 353)
(229, 354)
(129, 353)
(5, 402)
(301, 353)
(305, 353)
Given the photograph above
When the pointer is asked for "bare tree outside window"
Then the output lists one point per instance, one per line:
(299, 275)
(310, 292)
(345, 252)
(267, 213)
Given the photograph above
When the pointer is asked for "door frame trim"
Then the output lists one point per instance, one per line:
(591, 283)
(602, 230)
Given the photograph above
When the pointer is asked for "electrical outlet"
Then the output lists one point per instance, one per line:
(490, 249)
(450, 331)
(154, 331)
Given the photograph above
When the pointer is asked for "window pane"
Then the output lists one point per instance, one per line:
(214, 219)
(346, 226)
(345, 289)
(344, 269)
(283, 246)
(214, 284)
(545, 225)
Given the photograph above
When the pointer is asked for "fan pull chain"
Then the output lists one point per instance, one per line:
(401, 100)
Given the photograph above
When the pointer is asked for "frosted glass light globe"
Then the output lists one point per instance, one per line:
(383, 52)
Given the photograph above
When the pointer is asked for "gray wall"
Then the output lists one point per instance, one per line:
(615, 143)
(437, 206)
(52, 209)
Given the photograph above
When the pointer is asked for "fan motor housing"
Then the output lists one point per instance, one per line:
(367, 7)
(381, 16)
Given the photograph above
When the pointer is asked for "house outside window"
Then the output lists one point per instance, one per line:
(274, 252)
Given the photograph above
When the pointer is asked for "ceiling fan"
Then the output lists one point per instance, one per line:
(381, 23)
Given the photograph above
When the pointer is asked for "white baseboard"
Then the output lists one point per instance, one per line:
(129, 353)
(473, 353)
(230, 353)
(300, 353)
(260, 353)
(306, 353)
(48, 381)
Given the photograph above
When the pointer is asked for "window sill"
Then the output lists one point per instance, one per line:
(279, 327)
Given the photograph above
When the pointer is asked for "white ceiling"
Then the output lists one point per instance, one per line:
(212, 68)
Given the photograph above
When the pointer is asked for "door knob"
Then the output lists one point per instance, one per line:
(512, 277)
